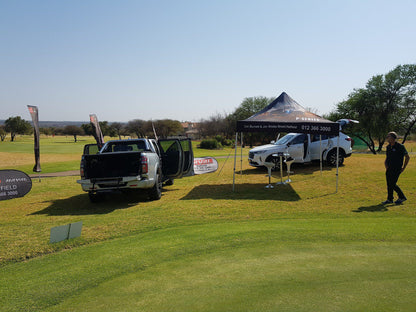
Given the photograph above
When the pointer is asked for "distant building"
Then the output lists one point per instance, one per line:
(191, 130)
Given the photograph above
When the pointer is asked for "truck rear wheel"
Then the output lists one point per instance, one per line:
(155, 192)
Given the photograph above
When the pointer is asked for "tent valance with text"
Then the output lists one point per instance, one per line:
(285, 115)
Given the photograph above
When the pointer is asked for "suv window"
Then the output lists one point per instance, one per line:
(317, 137)
(299, 139)
(285, 139)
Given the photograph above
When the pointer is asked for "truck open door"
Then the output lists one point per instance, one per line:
(188, 167)
(177, 157)
(91, 149)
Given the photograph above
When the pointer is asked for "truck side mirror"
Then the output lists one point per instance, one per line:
(272, 141)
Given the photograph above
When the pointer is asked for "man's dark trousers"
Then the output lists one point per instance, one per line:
(392, 175)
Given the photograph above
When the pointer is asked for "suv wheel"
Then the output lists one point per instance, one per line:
(276, 163)
(331, 158)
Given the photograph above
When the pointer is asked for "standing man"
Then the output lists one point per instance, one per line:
(394, 166)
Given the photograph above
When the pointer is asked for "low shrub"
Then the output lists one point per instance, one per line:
(224, 141)
(210, 144)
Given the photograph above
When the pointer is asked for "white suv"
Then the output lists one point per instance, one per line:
(304, 148)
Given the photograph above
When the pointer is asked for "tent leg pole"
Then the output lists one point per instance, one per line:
(241, 160)
(336, 190)
(320, 151)
(235, 158)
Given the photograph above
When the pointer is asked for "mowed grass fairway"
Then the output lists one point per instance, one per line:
(202, 247)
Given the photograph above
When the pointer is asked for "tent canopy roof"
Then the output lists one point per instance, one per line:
(284, 114)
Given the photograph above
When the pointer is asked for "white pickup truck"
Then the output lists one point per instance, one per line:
(304, 148)
(134, 164)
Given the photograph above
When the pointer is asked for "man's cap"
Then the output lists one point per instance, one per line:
(392, 134)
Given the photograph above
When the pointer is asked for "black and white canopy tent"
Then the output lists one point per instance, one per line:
(285, 115)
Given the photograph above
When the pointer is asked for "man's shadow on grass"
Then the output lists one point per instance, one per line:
(254, 191)
(372, 208)
(81, 205)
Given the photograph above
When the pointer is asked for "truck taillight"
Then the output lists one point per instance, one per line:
(145, 166)
(81, 170)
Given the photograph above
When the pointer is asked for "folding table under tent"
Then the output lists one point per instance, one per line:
(285, 115)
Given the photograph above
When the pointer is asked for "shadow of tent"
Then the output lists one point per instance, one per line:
(80, 204)
(373, 208)
(255, 191)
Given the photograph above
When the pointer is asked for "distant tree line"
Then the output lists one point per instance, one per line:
(224, 126)
(386, 103)
(137, 128)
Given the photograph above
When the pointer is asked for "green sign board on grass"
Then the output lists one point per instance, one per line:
(67, 231)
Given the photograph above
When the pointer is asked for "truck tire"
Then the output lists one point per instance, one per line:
(95, 197)
(331, 158)
(169, 182)
(155, 193)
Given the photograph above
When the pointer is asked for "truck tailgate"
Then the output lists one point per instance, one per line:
(112, 165)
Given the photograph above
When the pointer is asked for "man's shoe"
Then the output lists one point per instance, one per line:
(388, 201)
(400, 201)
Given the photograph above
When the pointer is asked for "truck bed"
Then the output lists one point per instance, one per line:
(112, 165)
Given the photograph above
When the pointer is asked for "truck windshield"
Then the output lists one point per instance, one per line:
(286, 139)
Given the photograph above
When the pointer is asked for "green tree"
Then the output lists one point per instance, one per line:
(117, 129)
(74, 131)
(386, 103)
(47, 131)
(165, 128)
(214, 125)
(87, 128)
(247, 108)
(250, 106)
(17, 125)
(106, 129)
(137, 127)
(404, 78)
(3, 132)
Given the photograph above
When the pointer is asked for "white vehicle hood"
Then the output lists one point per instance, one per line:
(269, 147)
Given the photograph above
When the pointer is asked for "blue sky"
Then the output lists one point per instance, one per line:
(188, 60)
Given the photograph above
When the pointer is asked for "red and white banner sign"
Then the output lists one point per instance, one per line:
(205, 165)
(96, 130)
